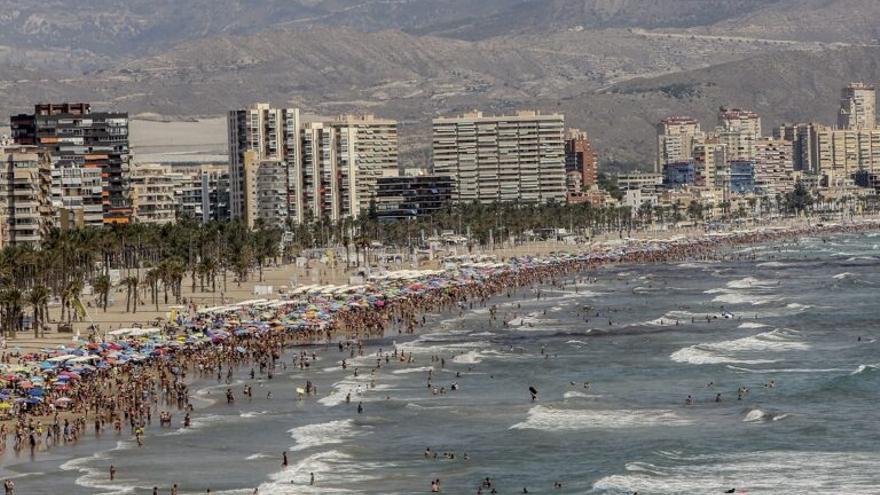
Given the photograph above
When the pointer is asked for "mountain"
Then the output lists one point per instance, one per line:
(533, 16)
(124, 28)
(849, 21)
(614, 67)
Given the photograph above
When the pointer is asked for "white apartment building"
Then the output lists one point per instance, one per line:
(842, 153)
(153, 193)
(76, 196)
(738, 130)
(774, 166)
(370, 144)
(25, 204)
(675, 140)
(502, 158)
(858, 107)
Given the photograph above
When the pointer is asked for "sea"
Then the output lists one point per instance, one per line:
(776, 346)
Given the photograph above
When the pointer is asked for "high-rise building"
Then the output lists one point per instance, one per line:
(77, 138)
(25, 203)
(272, 134)
(738, 130)
(502, 158)
(774, 166)
(265, 191)
(709, 156)
(580, 158)
(858, 107)
(331, 166)
(154, 193)
(843, 153)
(372, 143)
(675, 140)
(77, 196)
(804, 144)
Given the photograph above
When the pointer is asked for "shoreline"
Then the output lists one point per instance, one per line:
(110, 393)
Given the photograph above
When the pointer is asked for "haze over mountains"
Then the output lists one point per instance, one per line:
(612, 66)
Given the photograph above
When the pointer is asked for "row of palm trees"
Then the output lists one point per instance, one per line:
(146, 256)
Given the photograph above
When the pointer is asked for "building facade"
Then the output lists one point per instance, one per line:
(408, 197)
(580, 158)
(858, 107)
(738, 130)
(25, 195)
(204, 194)
(504, 158)
(331, 166)
(774, 166)
(675, 140)
(77, 138)
(154, 190)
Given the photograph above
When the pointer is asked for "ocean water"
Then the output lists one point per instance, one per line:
(802, 315)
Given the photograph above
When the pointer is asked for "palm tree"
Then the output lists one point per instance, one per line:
(102, 288)
(152, 278)
(131, 284)
(72, 293)
(12, 302)
(38, 298)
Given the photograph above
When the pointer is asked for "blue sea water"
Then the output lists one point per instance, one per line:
(800, 316)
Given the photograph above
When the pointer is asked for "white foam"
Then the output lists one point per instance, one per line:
(553, 419)
(778, 340)
(320, 434)
(476, 357)
(334, 472)
(752, 283)
(96, 479)
(759, 416)
(744, 298)
(254, 457)
(580, 395)
(252, 414)
(757, 473)
(752, 325)
(863, 368)
(776, 264)
(786, 370)
(696, 355)
(843, 276)
(423, 369)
